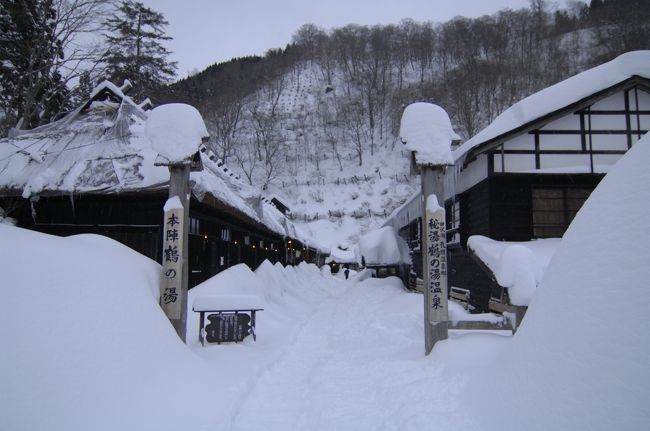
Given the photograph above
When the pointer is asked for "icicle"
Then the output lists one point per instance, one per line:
(72, 204)
(32, 200)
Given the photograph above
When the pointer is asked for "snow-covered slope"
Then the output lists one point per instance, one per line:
(317, 171)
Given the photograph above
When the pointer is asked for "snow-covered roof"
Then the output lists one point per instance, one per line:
(339, 255)
(561, 95)
(426, 129)
(102, 147)
(279, 201)
(379, 247)
(519, 266)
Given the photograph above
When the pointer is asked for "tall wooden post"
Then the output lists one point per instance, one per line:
(174, 302)
(434, 256)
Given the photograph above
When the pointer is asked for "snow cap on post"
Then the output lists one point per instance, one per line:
(176, 131)
(427, 132)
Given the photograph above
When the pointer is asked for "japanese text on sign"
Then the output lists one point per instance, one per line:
(436, 260)
(172, 262)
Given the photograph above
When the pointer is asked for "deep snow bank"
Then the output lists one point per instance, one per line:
(85, 345)
(580, 359)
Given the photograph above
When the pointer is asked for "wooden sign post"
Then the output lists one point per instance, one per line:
(173, 295)
(426, 130)
(176, 131)
(434, 258)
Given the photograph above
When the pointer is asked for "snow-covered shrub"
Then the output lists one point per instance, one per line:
(317, 195)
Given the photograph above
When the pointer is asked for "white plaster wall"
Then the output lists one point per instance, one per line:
(498, 162)
(608, 142)
(521, 142)
(519, 162)
(644, 100)
(473, 173)
(560, 142)
(553, 161)
(607, 122)
(568, 122)
(614, 102)
(606, 159)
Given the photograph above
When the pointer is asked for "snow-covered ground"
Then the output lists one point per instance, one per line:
(86, 347)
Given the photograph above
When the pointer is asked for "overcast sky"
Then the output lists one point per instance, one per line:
(209, 31)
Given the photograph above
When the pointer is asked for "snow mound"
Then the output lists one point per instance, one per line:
(379, 247)
(84, 337)
(426, 129)
(226, 302)
(520, 272)
(339, 255)
(519, 266)
(580, 358)
(175, 131)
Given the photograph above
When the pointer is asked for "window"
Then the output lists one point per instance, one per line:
(453, 221)
(225, 234)
(555, 208)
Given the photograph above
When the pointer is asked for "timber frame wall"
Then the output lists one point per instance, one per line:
(589, 134)
(535, 178)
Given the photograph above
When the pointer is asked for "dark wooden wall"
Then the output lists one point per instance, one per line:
(511, 201)
(500, 207)
(135, 220)
(131, 220)
(475, 211)
(466, 273)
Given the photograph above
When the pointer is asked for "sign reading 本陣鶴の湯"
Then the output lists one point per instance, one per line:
(170, 294)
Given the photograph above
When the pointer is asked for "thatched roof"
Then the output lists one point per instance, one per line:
(101, 148)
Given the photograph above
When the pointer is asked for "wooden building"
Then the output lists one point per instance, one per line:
(279, 204)
(527, 174)
(93, 171)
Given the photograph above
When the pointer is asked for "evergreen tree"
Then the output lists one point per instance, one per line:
(41, 55)
(32, 90)
(136, 52)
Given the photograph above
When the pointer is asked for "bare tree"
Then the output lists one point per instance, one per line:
(268, 143)
(246, 158)
(352, 120)
(223, 121)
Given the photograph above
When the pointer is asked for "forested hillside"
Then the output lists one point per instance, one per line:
(317, 122)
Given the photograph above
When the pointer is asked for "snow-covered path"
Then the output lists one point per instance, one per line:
(342, 369)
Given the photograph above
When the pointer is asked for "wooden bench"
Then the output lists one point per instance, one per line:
(460, 295)
(232, 317)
